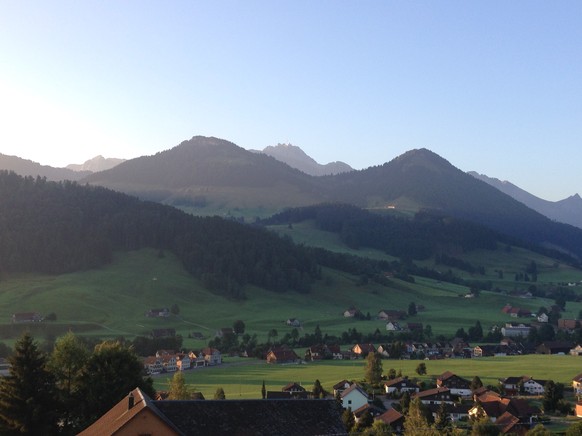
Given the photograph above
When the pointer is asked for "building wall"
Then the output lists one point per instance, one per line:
(144, 423)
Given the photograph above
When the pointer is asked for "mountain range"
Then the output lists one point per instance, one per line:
(568, 210)
(98, 163)
(210, 175)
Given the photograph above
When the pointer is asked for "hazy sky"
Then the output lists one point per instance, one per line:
(492, 86)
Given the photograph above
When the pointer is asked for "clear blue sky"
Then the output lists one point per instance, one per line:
(492, 86)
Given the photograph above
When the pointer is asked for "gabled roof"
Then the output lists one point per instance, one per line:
(446, 375)
(391, 416)
(341, 384)
(400, 381)
(354, 388)
(228, 417)
(293, 387)
(431, 392)
(506, 422)
(578, 378)
(121, 414)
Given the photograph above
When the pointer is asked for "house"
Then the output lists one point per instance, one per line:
(393, 326)
(158, 313)
(137, 414)
(455, 411)
(163, 333)
(212, 356)
(24, 317)
(414, 326)
(435, 396)
(457, 385)
(373, 410)
(578, 410)
(293, 322)
(391, 315)
(554, 347)
(183, 361)
(577, 384)
(568, 324)
(384, 350)
(293, 387)
(224, 332)
(490, 350)
(317, 352)
(362, 350)
(543, 317)
(282, 355)
(512, 330)
(340, 387)
(336, 352)
(400, 385)
(197, 359)
(576, 351)
(153, 365)
(508, 423)
(169, 362)
(495, 407)
(4, 367)
(525, 384)
(352, 312)
(354, 397)
(394, 419)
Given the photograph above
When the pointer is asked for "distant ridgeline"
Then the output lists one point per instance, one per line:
(425, 235)
(53, 228)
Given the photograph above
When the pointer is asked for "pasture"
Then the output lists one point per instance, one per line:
(243, 378)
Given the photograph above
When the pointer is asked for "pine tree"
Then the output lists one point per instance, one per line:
(348, 419)
(219, 394)
(264, 390)
(416, 423)
(318, 391)
(28, 394)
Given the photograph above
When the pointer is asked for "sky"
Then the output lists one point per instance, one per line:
(491, 86)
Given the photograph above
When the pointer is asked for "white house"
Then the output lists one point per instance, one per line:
(354, 397)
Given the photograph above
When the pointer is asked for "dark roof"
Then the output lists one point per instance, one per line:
(228, 417)
(254, 417)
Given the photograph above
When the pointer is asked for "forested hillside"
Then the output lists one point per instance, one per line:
(61, 227)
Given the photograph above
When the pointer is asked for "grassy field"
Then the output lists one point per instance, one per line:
(112, 301)
(242, 378)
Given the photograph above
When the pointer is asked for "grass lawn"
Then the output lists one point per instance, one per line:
(243, 378)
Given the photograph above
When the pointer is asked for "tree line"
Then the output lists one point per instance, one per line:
(54, 228)
(64, 391)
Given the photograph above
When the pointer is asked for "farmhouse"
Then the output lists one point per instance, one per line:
(163, 333)
(352, 312)
(158, 313)
(393, 326)
(391, 315)
(293, 322)
(362, 350)
(212, 356)
(26, 317)
(554, 347)
(340, 387)
(138, 414)
(282, 355)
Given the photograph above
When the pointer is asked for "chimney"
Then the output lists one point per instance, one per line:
(130, 401)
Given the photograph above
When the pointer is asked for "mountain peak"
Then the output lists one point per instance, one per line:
(296, 158)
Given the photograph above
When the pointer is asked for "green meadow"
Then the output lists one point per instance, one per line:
(112, 301)
(243, 378)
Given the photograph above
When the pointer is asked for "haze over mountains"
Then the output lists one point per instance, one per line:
(98, 163)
